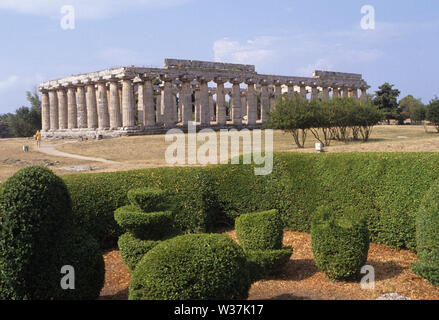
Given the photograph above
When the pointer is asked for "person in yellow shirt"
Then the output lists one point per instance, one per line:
(38, 138)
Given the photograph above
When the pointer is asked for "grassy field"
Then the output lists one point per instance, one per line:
(149, 151)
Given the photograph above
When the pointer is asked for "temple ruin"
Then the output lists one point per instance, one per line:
(135, 101)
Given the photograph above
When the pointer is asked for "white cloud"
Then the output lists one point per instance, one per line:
(8, 83)
(84, 9)
(118, 57)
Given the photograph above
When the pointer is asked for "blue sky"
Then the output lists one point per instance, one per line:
(279, 37)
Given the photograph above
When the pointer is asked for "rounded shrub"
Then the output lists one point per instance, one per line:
(192, 267)
(427, 237)
(263, 263)
(340, 245)
(132, 249)
(148, 199)
(145, 226)
(260, 230)
(38, 237)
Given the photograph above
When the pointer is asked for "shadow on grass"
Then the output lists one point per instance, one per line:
(386, 270)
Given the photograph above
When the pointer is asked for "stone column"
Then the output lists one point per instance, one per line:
(186, 102)
(344, 92)
(265, 101)
(303, 91)
(72, 114)
(243, 104)
(353, 93)
(363, 96)
(148, 99)
(128, 117)
(290, 86)
(277, 92)
(325, 93)
(158, 106)
(82, 107)
(53, 100)
(140, 100)
(314, 93)
(220, 102)
(103, 114)
(45, 110)
(236, 102)
(335, 92)
(168, 103)
(204, 102)
(252, 107)
(92, 110)
(115, 116)
(63, 113)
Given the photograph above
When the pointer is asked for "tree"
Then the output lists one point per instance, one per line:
(26, 121)
(433, 112)
(386, 99)
(292, 114)
(412, 108)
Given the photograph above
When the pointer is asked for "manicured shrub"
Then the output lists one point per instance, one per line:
(340, 245)
(132, 249)
(145, 226)
(192, 267)
(386, 187)
(38, 237)
(263, 263)
(427, 236)
(260, 230)
(148, 199)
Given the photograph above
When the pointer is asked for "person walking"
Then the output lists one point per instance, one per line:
(38, 138)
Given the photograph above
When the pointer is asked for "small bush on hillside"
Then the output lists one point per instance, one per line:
(260, 230)
(38, 237)
(192, 267)
(427, 237)
(340, 245)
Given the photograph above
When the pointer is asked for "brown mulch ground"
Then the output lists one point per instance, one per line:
(300, 278)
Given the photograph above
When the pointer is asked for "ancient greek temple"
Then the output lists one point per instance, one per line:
(135, 101)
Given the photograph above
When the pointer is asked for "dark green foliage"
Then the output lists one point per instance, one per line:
(386, 99)
(38, 237)
(145, 226)
(260, 230)
(263, 263)
(385, 187)
(340, 245)
(132, 249)
(148, 199)
(192, 267)
(433, 112)
(427, 236)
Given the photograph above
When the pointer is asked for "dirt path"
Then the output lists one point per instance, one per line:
(50, 150)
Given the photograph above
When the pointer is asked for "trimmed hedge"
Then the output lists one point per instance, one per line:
(340, 245)
(132, 249)
(427, 235)
(192, 267)
(260, 230)
(38, 237)
(385, 187)
(145, 226)
(148, 199)
(263, 263)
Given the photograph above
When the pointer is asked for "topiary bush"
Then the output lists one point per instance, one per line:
(427, 236)
(148, 199)
(340, 245)
(260, 230)
(192, 267)
(145, 226)
(263, 263)
(38, 237)
(133, 249)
